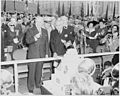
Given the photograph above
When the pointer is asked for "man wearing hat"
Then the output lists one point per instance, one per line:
(37, 39)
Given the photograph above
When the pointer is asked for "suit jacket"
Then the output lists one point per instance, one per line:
(55, 39)
(55, 43)
(39, 48)
(69, 31)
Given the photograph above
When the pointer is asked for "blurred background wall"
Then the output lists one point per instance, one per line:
(50, 7)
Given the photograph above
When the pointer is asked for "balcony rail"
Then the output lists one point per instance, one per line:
(16, 62)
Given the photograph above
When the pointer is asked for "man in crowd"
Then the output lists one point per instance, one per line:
(37, 39)
(57, 46)
(62, 29)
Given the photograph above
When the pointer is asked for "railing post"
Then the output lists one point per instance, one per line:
(16, 77)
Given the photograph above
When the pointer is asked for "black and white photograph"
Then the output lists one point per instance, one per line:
(59, 47)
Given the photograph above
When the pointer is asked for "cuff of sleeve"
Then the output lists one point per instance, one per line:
(35, 38)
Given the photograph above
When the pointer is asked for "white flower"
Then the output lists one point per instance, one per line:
(66, 35)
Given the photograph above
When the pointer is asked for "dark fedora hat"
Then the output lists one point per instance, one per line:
(93, 22)
(102, 20)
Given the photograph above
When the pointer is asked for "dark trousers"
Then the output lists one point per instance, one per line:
(34, 75)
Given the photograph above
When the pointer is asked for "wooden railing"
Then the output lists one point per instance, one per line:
(16, 62)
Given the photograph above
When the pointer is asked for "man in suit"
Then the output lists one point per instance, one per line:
(37, 39)
(57, 47)
(62, 29)
(13, 36)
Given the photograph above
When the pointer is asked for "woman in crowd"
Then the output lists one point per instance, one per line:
(112, 42)
(91, 35)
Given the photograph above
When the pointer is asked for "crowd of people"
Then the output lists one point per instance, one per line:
(90, 34)
(43, 36)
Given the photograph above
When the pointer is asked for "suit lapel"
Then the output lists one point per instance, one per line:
(35, 30)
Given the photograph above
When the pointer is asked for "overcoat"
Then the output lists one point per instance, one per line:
(39, 48)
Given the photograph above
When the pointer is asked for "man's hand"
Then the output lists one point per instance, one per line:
(15, 40)
(38, 35)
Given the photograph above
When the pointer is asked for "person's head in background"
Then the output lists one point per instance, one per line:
(8, 16)
(25, 20)
(19, 21)
(87, 65)
(102, 23)
(107, 64)
(91, 24)
(82, 84)
(3, 20)
(115, 31)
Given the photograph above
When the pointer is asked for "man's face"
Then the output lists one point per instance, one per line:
(114, 29)
(58, 25)
(115, 34)
(91, 25)
(101, 24)
(20, 21)
(65, 22)
(13, 21)
(107, 66)
(39, 22)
